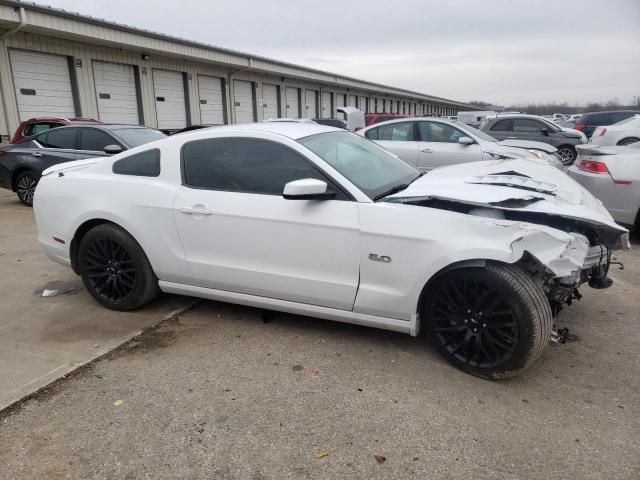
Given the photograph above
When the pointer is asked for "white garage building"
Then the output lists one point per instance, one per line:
(55, 63)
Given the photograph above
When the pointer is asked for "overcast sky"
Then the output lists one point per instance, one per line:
(500, 51)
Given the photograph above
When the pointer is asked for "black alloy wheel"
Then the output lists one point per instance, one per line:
(110, 269)
(26, 184)
(492, 321)
(473, 323)
(115, 269)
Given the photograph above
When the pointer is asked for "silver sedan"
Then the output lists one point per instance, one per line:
(612, 174)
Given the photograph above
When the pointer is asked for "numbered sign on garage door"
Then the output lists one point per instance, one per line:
(211, 96)
(243, 101)
(43, 84)
(270, 101)
(326, 105)
(292, 97)
(311, 100)
(171, 108)
(116, 93)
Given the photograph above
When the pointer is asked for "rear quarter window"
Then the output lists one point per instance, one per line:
(143, 164)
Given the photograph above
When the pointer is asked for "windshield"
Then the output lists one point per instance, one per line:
(135, 137)
(474, 131)
(368, 166)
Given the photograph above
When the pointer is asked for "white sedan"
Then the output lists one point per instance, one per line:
(317, 221)
(621, 134)
(428, 143)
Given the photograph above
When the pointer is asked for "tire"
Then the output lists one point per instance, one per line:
(115, 269)
(567, 155)
(627, 141)
(492, 322)
(26, 183)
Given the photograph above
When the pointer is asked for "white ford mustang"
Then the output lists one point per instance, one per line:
(318, 221)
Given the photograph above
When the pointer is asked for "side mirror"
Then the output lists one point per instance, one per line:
(544, 131)
(466, 141)
(307, 189)
(112, 149)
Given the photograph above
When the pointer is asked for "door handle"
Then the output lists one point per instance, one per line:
(512, 138)
(36, 154)
(195, 211)
(426, 150)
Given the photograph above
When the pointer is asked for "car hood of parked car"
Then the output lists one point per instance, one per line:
(515, 190)
(529, 144)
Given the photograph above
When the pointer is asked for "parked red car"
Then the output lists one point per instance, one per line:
(371, 118)
(38, 125)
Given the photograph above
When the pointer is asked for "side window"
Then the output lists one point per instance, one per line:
(439, 132)
(244, 165)
(59, 138)
(503, 126)
(618, 117)
(96, 140)
(372, 134)
(36, 128)
(402, 131)
(601, 119)
(526, 125)
(143, 164)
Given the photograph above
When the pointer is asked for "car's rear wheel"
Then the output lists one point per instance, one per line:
(115, 269)
(26, 183)
(628, 141)
(492, 321)
(567, 155)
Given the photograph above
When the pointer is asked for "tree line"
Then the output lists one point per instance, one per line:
(564, 107)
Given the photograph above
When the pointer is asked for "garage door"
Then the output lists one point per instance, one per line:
(311, 107)
(171, 109)
(353, 101)
(292, 100)
(326, 105)
(43, 84)
(341, 98)
(211, 96)
(116, 93)
(243, 101)
(362, 104)
(270, 101)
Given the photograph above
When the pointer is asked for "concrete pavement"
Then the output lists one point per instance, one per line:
(42, 339)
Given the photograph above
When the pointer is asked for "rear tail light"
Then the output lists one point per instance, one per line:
(604, 130)
(593, 167)
(2, 152)
(580, 126)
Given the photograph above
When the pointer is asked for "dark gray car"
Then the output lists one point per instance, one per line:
(531, 127)
(22, 163)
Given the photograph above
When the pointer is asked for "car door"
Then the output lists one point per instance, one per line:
(240, 235)
(399, 138)
(502, 129)
(439, 146)
(58, 145)
(92, 142)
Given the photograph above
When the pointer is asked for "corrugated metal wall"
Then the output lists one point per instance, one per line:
(83, 55)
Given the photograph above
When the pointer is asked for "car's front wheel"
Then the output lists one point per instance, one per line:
(115, 269)
(567, 155)
(26, 183)
(492, 321)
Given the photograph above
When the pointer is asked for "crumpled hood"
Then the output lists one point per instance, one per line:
(528, 144)
(516, 185)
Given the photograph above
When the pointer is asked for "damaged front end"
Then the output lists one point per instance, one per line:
(561, 234)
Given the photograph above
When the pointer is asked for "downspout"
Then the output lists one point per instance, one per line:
(232, 107)
(20, 26)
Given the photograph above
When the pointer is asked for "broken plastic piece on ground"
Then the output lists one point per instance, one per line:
(380, 458)
(314, 373)
(322, 454)
(56, 287)
(117, 403)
